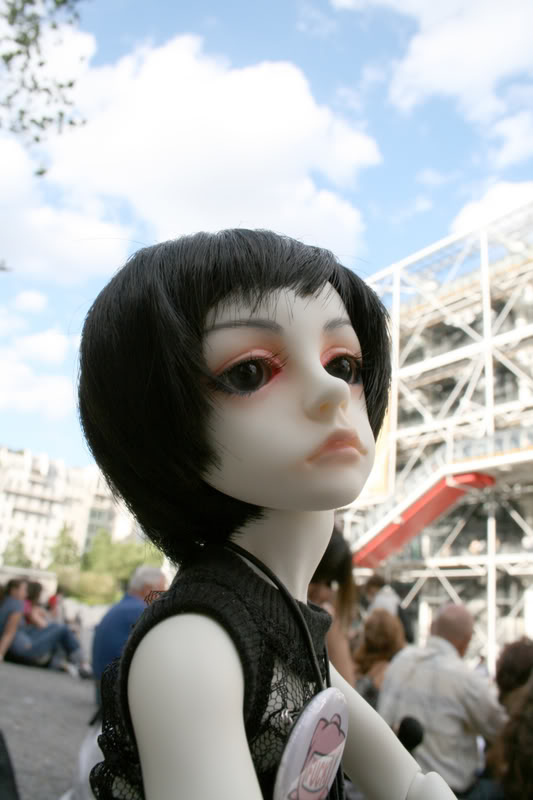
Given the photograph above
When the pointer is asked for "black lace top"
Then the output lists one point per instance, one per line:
(278, 674)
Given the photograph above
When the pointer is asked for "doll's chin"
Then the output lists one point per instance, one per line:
(323, 495)
(330, 501)
(323, 500)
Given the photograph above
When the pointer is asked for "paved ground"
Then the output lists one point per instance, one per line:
(43, 715)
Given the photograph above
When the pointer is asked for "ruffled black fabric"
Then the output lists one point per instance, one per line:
(278, 673)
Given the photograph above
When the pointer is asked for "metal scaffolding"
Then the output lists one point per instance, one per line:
(461, 403)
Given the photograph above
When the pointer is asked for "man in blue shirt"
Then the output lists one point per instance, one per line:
(113, 630)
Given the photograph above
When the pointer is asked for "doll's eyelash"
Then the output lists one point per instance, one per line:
(345, 354)
(357, 365)
(275, 362)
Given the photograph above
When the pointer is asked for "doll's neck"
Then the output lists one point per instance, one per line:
(290, 543)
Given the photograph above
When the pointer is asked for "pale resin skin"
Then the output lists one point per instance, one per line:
(186, 684)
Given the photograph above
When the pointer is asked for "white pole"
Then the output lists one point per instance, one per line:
(491, 591)
(489, 430)
(487, 333)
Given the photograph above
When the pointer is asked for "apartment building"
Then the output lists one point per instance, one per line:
(39, 496)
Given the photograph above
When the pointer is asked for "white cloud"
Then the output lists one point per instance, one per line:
(48, 347)
(517, 135)
(463, 49)
(433, 177)
(499, 199)
(468, 50)
(371, 75)
(420, 205)
(314, 22)
(349, 98)
(53, 242)
(10, 323)
(22, 390)
(30, 301)
(214, 147)
(175, 141)
(354, 97)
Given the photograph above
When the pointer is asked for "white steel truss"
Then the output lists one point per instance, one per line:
(462, 401)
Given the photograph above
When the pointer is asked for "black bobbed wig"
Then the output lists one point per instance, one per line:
(144, 401)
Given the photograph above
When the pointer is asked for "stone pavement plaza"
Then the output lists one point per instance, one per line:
(43, 716)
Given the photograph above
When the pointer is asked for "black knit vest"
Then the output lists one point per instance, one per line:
(278, 674)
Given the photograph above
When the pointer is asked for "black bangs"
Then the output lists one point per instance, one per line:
(369, 319)
(249, 264)
(143, 398)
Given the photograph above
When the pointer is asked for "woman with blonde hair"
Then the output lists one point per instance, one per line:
(383, 637)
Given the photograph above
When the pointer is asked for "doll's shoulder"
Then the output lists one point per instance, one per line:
(186, 695)
(215, 594)
(185, 665)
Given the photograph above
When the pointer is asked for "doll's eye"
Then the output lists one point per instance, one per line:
(347, 368)
(246, 377)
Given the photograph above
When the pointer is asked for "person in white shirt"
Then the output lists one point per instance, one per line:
(453, 704)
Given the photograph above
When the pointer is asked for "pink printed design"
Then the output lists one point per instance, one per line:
(322, 761)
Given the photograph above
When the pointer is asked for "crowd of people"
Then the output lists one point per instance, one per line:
(30, 634)
(36, 633)
(477, 736)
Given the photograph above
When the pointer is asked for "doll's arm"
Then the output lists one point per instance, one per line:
(376, 761)
(185, 692)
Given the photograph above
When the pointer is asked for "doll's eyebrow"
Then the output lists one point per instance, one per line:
(270, 325)
(266, 324)
(338, 322)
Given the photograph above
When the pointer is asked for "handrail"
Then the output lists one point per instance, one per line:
(430, 471)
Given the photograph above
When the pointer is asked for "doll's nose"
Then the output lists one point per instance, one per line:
(326, 396)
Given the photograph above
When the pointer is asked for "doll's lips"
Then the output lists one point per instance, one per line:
(338, 441)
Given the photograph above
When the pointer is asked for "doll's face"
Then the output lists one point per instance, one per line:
(289, 426)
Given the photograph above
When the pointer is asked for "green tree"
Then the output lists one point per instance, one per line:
(119, 559)
(106, 567)
(32, 100)
(129, 555)
(64, 552)
(15, 553)
(89, 587)
(99, 556)
(95, 588)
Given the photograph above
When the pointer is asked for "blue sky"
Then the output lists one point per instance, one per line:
(372, 127)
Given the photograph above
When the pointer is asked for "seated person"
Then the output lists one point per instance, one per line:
(513, 670)
(510, 757)
(34, 613)
(12, 615)
(383, 637)
(379, 594)
(53, 645)
(56, 606)
(335, 568)
(115, 626)
(516, 746)
(453, 704)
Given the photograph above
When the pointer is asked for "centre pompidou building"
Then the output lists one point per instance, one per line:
(448, 514)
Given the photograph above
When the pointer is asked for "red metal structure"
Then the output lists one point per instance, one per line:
(431, 505)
